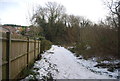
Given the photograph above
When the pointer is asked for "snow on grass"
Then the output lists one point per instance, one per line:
(89, 64)
(59, 63)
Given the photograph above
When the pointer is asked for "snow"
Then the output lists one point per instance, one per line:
(88, 47)
(60, 63)
(89, 64)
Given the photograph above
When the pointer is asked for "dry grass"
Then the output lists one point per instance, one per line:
(103, 42)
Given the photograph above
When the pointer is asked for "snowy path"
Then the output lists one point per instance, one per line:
(62, 64)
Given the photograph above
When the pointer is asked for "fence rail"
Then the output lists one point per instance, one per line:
(17, 54)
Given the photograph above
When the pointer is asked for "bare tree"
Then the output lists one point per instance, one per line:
(48, 17)
(74, 21)
(54, 11)
(114, 7)
(85, 22)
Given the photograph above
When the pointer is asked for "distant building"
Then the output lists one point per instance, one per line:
(15, 29)
(9, 28)
(3, 29)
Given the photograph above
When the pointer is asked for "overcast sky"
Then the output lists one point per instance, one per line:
(16, 11)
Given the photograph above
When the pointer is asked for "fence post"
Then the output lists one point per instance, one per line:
(27, 51)
(39, 45)
(8, 53)
(0, 56)
(34, 50)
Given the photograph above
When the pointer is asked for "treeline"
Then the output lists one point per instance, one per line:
(13, 25)
(63, 29)
(58, 26)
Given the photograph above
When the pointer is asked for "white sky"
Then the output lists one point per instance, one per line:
(16, 11)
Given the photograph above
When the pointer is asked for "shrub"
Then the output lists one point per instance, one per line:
(102, 41)
(45, 45)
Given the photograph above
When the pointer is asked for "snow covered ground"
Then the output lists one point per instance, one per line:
(89, 64)
(60, 63)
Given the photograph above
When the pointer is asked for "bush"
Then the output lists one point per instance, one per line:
(45, 45)
(103, 43)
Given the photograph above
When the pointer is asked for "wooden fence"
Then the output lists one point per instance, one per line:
(17, 54)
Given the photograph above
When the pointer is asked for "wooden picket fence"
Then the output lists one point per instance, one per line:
(17, 54)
